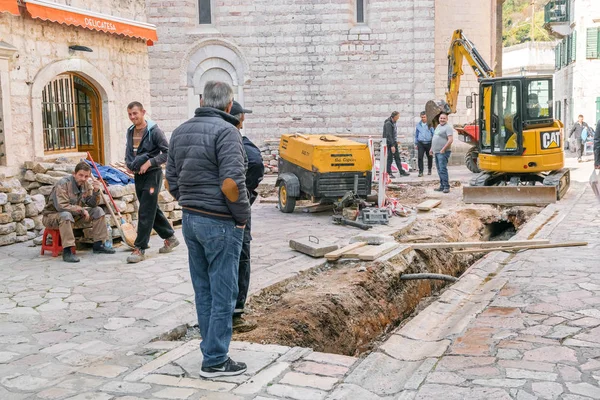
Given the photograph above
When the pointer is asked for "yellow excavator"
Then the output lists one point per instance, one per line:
(520, 144)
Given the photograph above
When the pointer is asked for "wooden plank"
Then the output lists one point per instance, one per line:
(357, 252)
(459, 245)
(335, 255)
(378, 251)
(414, 238)
(526, 247)
(428, 205)
(315, 208)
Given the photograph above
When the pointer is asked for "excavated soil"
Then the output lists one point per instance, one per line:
(345, 308)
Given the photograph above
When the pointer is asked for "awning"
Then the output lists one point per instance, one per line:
(9, 6)
(49, 11)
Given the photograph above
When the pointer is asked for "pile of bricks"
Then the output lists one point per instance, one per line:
(20, 218)
(270, 155)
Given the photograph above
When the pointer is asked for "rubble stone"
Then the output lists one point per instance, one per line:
(20, 229)
(5, 218)
(42, 168)
(3, 199)
(58, 174)
(47, 179)
(29, 176)
(46, 190)
(17, 197)
(8, 239)
(8, 228)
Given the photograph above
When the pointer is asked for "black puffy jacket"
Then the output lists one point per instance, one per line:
(206, 168)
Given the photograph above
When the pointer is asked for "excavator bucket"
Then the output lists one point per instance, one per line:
(510, 195)
(433, 108)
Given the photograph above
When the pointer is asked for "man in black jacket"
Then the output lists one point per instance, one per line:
(146, 152)
(206, 174)
(254, 175)
(390, 134)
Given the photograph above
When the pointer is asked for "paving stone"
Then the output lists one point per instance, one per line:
(6, 356)
(52, 337)
(331, 359)
(118, 323)
(453, 363)
(92, 396)
(569, 373)
(562, 331)
(547, 390)
(382, 374)
(591, 365)
(162, 345)
(553, 321)
(174, 393)
(445, 378)
(59, 348)
(551, 354)
(294, 354)
(406, 349)
(125, 387)
(150, 304)
(296, 393)
(26, 383)
(526, 374)
(508, 354)
(104, 370)
(584, 389)
(312, 381)
(166, 380)
(262, 379)
(523, 395)
(347, 391)
(508, 383)
(528, 365)
(310, 367)
(417, 378)
(54, 393)
(587, 322)
(171, 370)
(223, 396)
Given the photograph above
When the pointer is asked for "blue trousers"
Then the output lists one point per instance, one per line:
(214, 247)
(441, 163)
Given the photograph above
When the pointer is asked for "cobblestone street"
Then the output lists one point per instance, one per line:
(521, 326)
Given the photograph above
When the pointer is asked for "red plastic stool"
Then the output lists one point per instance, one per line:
(56, 246)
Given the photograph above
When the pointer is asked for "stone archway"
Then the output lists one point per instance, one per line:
(100, 83)
(213, 59)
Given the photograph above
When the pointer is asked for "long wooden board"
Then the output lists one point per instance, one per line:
(378, 251)
(459, 245)
(337, 254)
(428, 205)
(527, 247)
(357, 252)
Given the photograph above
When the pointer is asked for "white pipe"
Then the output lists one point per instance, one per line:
(383, 176)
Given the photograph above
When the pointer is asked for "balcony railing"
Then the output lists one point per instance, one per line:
(556, 11)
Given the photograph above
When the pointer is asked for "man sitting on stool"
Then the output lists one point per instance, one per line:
(68, 203)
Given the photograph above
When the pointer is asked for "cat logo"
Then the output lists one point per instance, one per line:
(550, 140)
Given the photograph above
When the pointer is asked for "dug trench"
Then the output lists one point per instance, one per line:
(348, 307)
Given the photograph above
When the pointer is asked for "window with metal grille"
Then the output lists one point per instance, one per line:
(360, 11)
(58, 115)
(204, 12)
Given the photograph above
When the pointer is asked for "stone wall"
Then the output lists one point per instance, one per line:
(22, 201)
(117, 67)
(301, 66)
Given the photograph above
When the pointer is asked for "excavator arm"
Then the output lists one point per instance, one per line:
(460, 49)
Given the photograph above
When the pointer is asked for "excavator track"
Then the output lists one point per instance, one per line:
(527, 189)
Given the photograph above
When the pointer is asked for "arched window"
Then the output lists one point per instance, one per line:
(71, 110)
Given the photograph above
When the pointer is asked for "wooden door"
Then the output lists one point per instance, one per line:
(89, 120)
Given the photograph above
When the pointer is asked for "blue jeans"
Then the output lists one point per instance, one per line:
(441, 163)
(214, 247)
(244, 272)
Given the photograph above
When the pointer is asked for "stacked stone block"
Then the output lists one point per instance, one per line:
(20, 218)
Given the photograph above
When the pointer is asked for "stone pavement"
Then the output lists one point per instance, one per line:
(519, 326)
(69, 329)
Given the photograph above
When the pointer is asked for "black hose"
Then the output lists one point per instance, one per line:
(441, 277)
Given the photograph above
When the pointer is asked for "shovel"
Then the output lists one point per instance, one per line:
(128, 232)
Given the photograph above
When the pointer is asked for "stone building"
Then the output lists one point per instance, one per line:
(577, 58)
(313, 66)
(68, 69)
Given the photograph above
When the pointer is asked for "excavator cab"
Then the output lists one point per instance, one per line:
(511, 109)
(520, 145)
